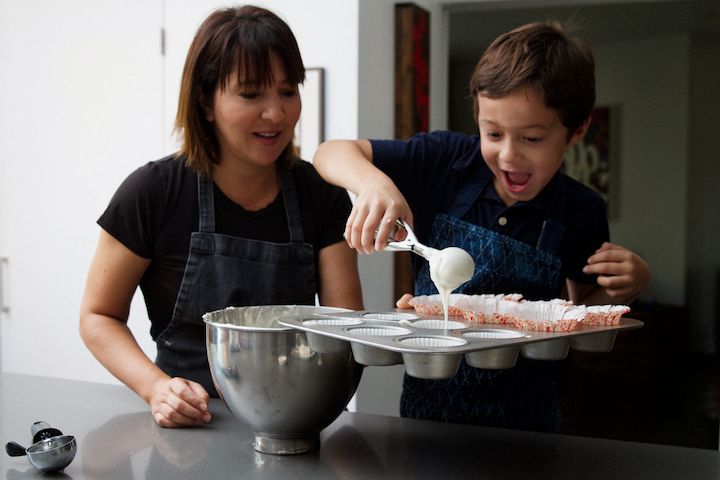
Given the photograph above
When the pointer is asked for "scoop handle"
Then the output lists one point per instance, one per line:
(41, 431)
(410, 244)
(14, 450)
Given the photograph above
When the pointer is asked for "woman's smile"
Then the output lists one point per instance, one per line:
(268, 138)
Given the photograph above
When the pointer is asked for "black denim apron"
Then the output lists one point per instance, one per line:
(525, 396)
(223, 271)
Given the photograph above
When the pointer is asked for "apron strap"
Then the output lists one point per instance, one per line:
(292, 208)
(550, 236)
(553, 227)
(206, 203)
(469, 193)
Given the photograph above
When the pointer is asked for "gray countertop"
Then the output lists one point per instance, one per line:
(118, 439)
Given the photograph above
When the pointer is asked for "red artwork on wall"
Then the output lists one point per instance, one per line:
(412, 70)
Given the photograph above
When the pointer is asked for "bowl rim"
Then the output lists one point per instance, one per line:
(275, 326)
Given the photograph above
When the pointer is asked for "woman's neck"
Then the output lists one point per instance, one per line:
(251, 188)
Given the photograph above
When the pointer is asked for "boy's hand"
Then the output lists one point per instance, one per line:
(377, 207)
(404, 301)
(622, 273)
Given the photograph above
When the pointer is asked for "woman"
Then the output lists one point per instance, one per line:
(233, 219)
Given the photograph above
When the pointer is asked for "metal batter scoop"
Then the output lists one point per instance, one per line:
(410, 244)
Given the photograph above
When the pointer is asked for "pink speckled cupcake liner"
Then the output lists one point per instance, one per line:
(556, 315)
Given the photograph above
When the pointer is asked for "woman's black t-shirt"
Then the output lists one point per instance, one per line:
(155, 211)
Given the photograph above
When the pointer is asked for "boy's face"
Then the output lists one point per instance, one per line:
(523, 142)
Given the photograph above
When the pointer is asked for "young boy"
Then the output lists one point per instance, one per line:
(500, 196)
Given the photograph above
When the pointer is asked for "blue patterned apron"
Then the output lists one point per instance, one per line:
(223, 271)
(525, 396)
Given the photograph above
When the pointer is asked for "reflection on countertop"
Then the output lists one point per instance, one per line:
(118, 439)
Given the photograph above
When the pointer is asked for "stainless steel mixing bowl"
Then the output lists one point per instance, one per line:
(269, 377)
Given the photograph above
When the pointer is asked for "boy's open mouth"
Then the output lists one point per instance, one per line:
(517, 180)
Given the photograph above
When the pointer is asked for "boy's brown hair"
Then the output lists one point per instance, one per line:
(545, 57)
(245, 37)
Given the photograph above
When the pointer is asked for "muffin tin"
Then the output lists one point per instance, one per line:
(431, 351)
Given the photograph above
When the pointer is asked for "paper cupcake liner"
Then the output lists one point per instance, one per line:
(546, 325)
(604, 314)
(432, 304)
(557, 315)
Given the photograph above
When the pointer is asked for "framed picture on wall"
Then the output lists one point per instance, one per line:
(594, 160)
(309, 128)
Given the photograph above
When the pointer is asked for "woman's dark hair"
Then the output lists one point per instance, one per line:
(244, 37)
(545, 57)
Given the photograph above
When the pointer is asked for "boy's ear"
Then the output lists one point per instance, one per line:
(207, 108)
(579, 133)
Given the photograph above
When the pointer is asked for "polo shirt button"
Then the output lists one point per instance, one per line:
(502, 221)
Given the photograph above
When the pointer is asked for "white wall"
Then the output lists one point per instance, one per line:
(80, 106)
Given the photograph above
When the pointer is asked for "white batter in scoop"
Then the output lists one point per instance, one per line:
(450, 268)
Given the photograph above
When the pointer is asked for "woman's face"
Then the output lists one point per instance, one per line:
(254, 122)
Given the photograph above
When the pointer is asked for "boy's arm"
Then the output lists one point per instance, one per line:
(622, 276)
(379, 203)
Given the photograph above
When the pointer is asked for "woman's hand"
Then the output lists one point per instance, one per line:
(621, 273)
(114, 275)
(177, 402)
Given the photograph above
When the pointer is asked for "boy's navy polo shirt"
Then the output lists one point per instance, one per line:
(430, 169)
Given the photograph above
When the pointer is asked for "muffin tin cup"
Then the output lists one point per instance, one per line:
(439, 324)
(322, 343)
(374, 356)
(432, 366)
(599, 342)
(389, 316)
(493, 359)
(546, 350)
